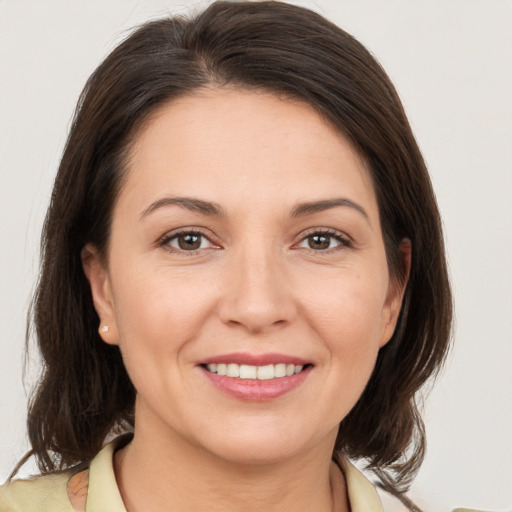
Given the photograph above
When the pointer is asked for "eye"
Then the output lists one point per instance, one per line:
(187, 241)
(323, 241)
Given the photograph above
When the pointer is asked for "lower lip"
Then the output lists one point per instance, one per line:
(257, 390)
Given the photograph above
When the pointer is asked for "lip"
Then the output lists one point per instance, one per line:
(255, 359)
(256, 390)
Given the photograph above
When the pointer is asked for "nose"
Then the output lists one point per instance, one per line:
(257, 295)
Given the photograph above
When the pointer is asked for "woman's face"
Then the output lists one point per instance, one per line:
(246, 238)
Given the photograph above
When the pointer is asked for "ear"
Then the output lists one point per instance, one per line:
(99, 280)
(396, 290)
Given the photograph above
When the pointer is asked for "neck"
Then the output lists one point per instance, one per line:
(161, 472)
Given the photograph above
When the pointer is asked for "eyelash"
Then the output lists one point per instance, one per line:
(343, 240)
(166, 239)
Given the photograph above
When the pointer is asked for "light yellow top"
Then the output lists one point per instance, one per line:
(50, 493)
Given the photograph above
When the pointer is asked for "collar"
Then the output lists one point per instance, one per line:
(362, 495)
(103, 494)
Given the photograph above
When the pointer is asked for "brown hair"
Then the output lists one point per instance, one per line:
(84, 392)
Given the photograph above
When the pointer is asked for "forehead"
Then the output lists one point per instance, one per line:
(227, 142)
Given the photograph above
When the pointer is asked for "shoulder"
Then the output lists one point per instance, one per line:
(46, 493)
(68, 491)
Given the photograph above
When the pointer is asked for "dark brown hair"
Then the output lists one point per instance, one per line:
(84, 392)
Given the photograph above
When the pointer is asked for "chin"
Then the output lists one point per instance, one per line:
(257, 454)
(262, 446)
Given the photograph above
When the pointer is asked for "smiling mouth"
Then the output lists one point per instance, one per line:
(250, 372)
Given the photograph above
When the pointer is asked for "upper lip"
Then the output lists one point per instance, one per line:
(255, 359)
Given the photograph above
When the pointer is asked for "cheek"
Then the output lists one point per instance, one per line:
(348, 311)
(158, 311)
(348, 317)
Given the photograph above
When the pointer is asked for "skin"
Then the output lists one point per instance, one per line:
(257, 284)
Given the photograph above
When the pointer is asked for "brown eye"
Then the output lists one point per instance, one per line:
(323, 241)
(189, 241)
(319, 242)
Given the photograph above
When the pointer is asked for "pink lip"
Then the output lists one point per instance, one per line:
(255, 359)
(256, 390)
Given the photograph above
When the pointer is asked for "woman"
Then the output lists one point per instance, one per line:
(243, 266)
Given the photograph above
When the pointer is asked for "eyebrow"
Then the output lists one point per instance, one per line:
(190, 203)
(213, 209)
(312, 207)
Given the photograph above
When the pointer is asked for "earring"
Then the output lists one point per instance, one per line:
(104, 328)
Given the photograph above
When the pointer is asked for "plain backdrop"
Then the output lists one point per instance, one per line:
(451, 61)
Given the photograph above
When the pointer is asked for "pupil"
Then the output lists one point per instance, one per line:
(319, 242)
(189, 242)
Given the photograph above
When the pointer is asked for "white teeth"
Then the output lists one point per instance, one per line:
(245, 371)
(248, 372)
(280, 370)
(266, 372)
(233, 370)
